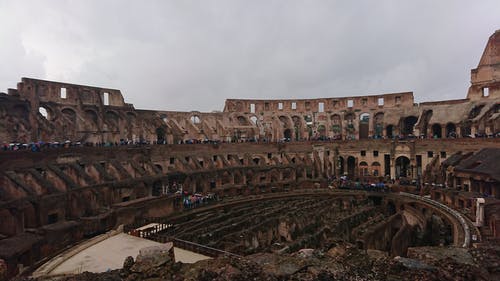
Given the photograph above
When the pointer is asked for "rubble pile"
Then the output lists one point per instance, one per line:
(338, 261)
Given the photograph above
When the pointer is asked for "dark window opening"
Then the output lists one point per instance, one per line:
(430, 154)
(52, 218)
(375, 153)
(363, 152)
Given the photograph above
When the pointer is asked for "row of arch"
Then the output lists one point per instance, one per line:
(347, 166)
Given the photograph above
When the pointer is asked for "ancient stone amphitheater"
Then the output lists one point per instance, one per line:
(272, 189)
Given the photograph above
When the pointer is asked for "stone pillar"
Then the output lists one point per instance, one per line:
(479, 212)
(443, 132)
(393, 168)
(473, 130)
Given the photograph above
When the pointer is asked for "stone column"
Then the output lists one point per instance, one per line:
(393, 168)
(479, 212)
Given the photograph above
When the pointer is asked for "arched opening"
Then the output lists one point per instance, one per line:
(195, 119)
(451, 130)
(336, 126)
(350, 129)
(91, 119)
(254, 120)
(287, 134)
(322, 131)
(159, 167)
(351, 166)
(340, 166)
(363, 169)
(44, 112)
(390, 131)
(376, 169)
(112, 120)
(157, 188)
(160, 135)
(465, 129)
(242, 121)
(408, 125)
(69, 114)
(402, 167)
(436, 131)
(364, 121)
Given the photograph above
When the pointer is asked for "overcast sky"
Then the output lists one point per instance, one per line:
(192, 55)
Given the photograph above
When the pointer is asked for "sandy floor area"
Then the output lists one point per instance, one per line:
(110, 254)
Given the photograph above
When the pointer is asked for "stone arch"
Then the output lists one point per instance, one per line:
(69, 114)
(321, 130)
(242, 121)
(408, 125)
(378, 125)
(336, 126)
(376, 169)
(254, 119)
(195, 119)
(238, 177)
(159, 167)
(274, 176)
(20, 111)
(161, 134)
(341, 166)
(364, 125)
(436, 131)
(297, 125)
(287, 134)
(91, 119)
(350, 127)
(285, 121)
(363, 169)
(474, 112)
(46, 112)
(351, 167)
(112, 119)
(226, 178)
(131, 116)
(390, 131)
(402, 166)
(69, 121)
(451, 130)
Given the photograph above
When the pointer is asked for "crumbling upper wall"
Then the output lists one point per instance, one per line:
(485, 79)
(68, 94)
(392, 100)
